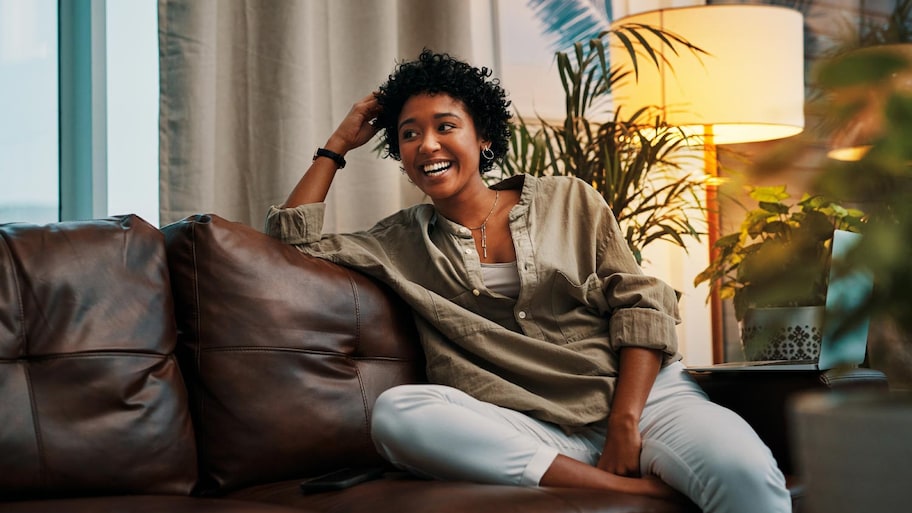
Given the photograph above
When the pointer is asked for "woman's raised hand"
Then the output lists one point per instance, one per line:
(352, 132)
(356, 129)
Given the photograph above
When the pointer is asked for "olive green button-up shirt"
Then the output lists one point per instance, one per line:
(553, 351)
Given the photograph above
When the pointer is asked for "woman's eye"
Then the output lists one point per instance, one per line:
(446, 127)
(407, 134)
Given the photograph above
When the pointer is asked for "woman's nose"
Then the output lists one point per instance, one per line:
(429, 143)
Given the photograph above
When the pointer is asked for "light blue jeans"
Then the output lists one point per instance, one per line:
(701, 449)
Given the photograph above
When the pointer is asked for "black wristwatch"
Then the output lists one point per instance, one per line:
(323, 152)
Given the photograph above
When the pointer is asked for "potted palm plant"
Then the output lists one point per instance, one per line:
(774, 268)
(632, 159)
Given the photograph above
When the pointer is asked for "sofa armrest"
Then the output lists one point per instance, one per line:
(762, 398)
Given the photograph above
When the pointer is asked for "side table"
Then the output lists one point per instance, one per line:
(762, 397)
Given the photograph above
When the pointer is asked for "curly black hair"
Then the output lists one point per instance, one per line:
(434, 73)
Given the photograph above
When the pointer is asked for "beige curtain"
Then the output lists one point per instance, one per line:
(250, 88)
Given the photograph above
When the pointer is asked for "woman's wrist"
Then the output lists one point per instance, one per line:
(336, 145)
(623, 420)
(335, 157)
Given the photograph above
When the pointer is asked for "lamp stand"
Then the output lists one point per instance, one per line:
(711, 168)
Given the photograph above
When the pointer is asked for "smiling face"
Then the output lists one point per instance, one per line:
(439, 146)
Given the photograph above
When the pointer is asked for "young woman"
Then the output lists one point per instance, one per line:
(552, 358)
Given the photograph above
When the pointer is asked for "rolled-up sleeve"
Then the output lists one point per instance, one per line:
(642, 309)
(297, 225)
(644, 312)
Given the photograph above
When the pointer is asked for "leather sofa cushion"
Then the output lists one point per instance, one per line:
(147, 504)
(284, 354)
(92, 397)
(397, 493)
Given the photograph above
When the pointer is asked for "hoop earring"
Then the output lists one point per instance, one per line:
(487, 153)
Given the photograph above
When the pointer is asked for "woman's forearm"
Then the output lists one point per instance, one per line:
(314, 185)
(623, 443)
(636, 374)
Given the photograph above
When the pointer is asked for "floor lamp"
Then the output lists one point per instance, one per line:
(749, 86)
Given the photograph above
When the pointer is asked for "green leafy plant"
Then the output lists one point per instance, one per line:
(780, 256)
(632, 159)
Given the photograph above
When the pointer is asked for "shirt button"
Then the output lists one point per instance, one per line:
(476, 292)
(522, 315)
(468, 251)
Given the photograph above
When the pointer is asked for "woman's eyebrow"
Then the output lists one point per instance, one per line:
(436, 116)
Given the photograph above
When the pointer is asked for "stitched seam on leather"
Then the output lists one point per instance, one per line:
(36, 423)
(96, 354)
(19, 299)
(364, 402)
(202, 446)
(357, 299)
(317, 352)
(194, 276)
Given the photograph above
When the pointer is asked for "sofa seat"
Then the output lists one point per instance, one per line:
(145, 504)
(398, 493)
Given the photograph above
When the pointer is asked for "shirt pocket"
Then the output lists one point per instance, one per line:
(574, 308)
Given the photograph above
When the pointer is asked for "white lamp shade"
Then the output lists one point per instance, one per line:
(750, 86)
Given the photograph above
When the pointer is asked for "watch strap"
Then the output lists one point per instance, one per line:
(323, 152)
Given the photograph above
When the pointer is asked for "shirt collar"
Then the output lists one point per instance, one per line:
(527, 185)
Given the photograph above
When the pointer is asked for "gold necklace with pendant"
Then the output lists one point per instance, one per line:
(484, 224)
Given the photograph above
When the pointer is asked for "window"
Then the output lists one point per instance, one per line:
(28, 111)
(106, 123)
(132, 108)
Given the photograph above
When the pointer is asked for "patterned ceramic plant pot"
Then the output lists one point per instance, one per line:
(785, 333)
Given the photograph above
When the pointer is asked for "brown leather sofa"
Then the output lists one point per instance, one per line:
(206, 367)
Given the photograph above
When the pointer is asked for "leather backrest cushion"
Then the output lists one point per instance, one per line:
(92, 397)
(284, 354)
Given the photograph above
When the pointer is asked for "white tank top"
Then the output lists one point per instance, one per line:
(502, 278)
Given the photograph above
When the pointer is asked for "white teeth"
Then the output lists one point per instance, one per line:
(436, 167)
